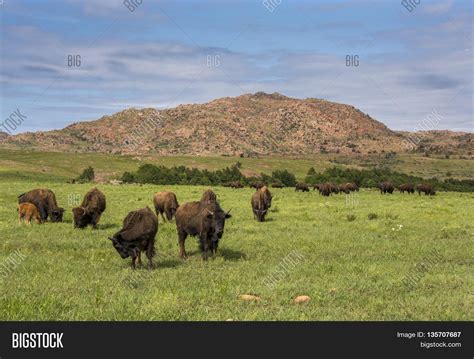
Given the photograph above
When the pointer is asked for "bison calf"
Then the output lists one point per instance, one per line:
(137, 235)
(90, 210)
(27, 212)
(167, 203)
(206, 220)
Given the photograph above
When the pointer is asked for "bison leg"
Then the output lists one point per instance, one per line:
(181, 239)
(43, 213)
(150, 252)
(162, 216)
(95, 220)
(133, 262)
(139, 258)
(204, 247)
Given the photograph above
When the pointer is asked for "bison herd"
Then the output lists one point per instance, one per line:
(204, 218)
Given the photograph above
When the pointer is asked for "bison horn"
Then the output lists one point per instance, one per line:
(228, 211)
(212, 213)
(112, 239)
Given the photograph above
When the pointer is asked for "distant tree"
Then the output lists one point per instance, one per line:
(87, 175)
(285, 177)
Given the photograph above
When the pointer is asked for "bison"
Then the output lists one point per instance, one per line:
(261, 201)
(386, 187)
(303, 187)
(206, 220)
(326, 189)
(45, 202)
(27, 212)
(276, 185)
(90, 210)
(137, 235)
(167, 203)
(208, 197)
(426, 188)
(233, 184)
(406, 187)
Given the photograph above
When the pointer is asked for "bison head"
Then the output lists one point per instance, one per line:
(81, 217)
(122, 250)
(217, 223)
(57, 215)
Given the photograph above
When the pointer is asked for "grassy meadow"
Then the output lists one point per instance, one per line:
(352, 267)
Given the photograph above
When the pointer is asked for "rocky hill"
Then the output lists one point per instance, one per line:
(246, 125)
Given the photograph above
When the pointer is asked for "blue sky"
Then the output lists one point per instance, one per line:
(410, 63)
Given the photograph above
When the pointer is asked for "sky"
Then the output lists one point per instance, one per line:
(411, 60)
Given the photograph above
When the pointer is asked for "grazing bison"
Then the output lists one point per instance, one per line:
(326, 189)
(317, 186)
(233, 184)
(45, 201)
(167, 203)
(261, 201)
(206, 220)
(90, 210)
(303, 187)
(406, 187)
(426, 188)
(137, 234)
(276, 185)
(208, 197)
(27, 212)
(386, 187)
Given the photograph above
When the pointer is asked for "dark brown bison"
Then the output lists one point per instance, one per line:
(90, 210)
(386, 187)
(261, 201)
(206, 220)
(317, 186)
(276, 185)
(208, 197)
(233, 184)
(167, 203)
(137, 235)
(303, 187)
(45, 201)
(27, 212)
(406, 187)
(326, 189)
(426, 188)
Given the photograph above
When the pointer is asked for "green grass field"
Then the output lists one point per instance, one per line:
(352, 268)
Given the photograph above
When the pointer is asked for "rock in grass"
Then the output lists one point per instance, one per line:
(302, 299)
(250, 297)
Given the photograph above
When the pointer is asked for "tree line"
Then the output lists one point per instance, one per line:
(368, 178)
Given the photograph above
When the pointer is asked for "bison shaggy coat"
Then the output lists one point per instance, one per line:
(167, 203)
(205, 220)
(27, 212)
(90, 210)
(137, 235)
(45, 201)
(261, 201)
(209, 196)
